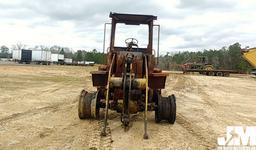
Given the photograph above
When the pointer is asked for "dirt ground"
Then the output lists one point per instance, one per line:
(38, 110)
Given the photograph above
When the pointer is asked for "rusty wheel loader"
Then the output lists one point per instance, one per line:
(129, 82)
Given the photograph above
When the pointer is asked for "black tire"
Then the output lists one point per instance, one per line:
(219, 74)
(157, 116)
(226, 74)
(172, 118)
(157, 113)
(84, 105)
(212, 74)
(166, 109)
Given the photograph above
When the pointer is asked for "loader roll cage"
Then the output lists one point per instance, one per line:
(132, 19)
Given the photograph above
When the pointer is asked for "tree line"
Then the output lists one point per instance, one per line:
(225, 58)
(94, 55)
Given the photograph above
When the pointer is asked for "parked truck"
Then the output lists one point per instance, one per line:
(61, 59)
(41, 56)
(54, 58)
(250, 56)
(68, 61)
(57, 58)
(22, 55)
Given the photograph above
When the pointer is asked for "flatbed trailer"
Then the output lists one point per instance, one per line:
(214, 72)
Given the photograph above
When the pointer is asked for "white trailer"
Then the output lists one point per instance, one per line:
(91, 63)
(81, 62)
(41, 56)
(57, 58)
(68, 60)
(61, 57)
(54, 58)
(85, 63)
(16, 54)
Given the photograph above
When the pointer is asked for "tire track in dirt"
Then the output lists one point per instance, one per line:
(56, 87)
(73, 134)
(168, 136)
(202, 135)
(100, 142)
(162, 136)
(52, 88)
(88, 134)
(185, 85)
(34, 111)
(92, 132)
(106, 141)
(206, 137)
(95, 138)
(179, 83)
(202, 93)
(214, 106)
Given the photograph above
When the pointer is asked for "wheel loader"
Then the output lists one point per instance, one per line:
(250, 56)
(201, 63)
(129, 82)
(202, 66)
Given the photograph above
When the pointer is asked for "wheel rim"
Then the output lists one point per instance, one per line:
(84, 105)
(81, 109)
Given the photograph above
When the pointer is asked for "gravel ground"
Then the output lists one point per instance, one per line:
(38, 110)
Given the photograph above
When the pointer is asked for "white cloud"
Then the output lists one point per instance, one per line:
(185, 24)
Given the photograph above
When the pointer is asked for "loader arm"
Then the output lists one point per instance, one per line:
(250, 56)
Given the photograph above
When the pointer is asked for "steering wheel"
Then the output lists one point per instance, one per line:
(131, 42)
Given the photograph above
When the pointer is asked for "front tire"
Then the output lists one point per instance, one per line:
(165, 109)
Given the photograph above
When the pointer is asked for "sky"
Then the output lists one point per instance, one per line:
(186, 25)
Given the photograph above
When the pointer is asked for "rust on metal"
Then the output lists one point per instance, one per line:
(130, 82)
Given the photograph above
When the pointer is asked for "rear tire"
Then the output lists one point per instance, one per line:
(156, 99)
(84, 105)
(166, 109)
(172, 100)
(88, 105)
